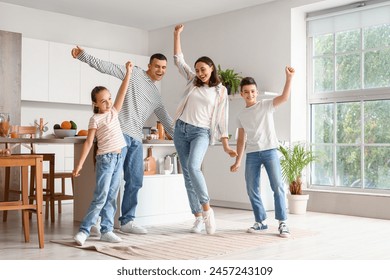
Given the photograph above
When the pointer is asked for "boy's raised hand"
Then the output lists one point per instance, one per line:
(289, 71)
(76, 51)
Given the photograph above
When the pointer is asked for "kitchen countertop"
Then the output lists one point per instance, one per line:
(45, 140)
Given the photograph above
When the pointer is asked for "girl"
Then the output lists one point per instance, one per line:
(104, 124)
(201, 119)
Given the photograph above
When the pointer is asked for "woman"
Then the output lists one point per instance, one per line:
(201, 119)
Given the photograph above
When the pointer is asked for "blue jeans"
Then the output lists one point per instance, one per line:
(108, 177)
(191, 143)
(133, 173)
(271, 162)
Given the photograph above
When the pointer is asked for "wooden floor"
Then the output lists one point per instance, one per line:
(338, 238)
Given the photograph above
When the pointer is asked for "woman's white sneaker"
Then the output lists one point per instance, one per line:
(209, 221)
(198, 225)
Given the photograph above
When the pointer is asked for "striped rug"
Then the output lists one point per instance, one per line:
(175, 242)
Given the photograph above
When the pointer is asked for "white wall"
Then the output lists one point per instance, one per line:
(66, 29)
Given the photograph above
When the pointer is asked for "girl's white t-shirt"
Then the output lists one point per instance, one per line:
(258, 123)
(199, 108)
(108, 131)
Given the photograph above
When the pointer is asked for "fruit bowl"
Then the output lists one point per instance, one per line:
(61, 133)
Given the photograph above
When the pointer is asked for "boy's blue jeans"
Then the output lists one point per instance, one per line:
(191, 143)
(104, 203)
(271, 162)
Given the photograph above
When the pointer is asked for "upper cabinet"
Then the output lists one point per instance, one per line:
(35, 70)
(51, 74)
(64, 74)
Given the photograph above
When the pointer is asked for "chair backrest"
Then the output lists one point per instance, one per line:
(27, 130)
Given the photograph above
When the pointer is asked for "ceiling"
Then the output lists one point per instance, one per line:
(142, 14)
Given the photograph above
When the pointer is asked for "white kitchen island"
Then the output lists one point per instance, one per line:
(162, 199)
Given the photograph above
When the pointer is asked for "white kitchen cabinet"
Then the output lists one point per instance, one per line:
(64, 74)
(35, 70)
(91, 78)
(228, 189)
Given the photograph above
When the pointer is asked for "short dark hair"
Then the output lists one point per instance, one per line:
(158, 56)
(247, 81)
(214, 78)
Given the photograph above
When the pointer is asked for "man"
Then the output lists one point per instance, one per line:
(142, 99)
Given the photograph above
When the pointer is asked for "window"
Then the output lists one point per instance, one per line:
(349, 98)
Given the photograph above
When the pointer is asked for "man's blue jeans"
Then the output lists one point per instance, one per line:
(271, 162)
(133, 173)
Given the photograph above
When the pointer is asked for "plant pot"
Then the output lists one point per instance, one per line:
(297, 204)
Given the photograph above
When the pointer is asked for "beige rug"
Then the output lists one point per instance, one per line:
(175, 242)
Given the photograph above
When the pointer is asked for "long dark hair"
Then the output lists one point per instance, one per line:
(214, 78)
(94, 92)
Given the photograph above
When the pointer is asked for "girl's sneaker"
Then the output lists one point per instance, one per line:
(80, 238)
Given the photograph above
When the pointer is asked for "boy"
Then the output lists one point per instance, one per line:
(256, 121)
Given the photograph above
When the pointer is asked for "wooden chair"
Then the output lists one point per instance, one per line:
(23, 204)
(30, 131)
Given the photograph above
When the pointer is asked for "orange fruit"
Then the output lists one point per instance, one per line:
(66, 125)
(82, 132)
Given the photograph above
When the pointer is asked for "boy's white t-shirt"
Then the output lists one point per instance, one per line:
(258, 123)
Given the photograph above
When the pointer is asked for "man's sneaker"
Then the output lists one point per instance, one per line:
(257, 227)
(110, 237)
(131, 227)
(209, 221)
(80, 238)
(198, 225)
(283, 230)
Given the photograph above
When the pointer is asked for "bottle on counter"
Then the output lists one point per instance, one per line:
(161, 131)
(149, 163)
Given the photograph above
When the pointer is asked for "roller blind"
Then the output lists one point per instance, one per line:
(349, 19)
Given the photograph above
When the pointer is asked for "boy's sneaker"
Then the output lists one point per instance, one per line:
(257, 227)
(283, 230)
(198, 225)
(110, 237)
(131, 227)
(209, 221)
(80, 238)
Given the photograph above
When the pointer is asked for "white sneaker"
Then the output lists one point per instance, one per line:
(198, 225)
(80, 238)
(209, 221)
(131, 227)
(110, 237)
(95, 231)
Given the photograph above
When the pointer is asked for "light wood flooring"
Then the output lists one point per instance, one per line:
(338, 238)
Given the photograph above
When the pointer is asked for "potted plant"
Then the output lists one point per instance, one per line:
(294, 160)
(230, 79)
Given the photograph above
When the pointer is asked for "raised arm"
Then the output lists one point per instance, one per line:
(176, 39)
(123, 88)
(105, 67)
(287, 87)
